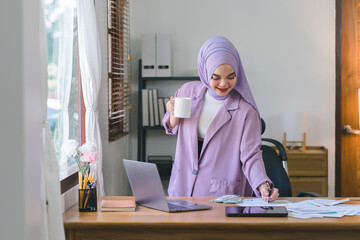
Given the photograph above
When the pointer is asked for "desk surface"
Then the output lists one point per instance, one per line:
(147, 223)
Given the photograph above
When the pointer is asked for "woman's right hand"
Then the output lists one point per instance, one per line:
(170, 106)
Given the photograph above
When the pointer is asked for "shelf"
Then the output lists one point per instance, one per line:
(143, 130)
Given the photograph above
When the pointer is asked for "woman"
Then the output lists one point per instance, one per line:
(218, 147)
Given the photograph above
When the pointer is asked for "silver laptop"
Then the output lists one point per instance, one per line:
(148, 191)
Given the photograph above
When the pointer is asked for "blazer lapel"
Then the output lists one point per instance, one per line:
(222, 117)
(196, 106)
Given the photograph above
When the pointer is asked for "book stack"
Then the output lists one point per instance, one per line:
(118, 205)
(153, 107)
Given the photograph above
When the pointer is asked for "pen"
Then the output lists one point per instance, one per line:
(271, 185)
(80, 180)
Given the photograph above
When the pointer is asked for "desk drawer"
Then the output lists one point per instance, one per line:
(304, 165)
(311, 163)
(309, 184)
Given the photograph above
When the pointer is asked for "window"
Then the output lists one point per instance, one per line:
(63, 77)
(119, 68)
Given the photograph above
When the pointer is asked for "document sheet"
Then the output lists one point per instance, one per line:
(309, 208)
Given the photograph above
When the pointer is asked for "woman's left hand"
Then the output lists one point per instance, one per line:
(264, 190)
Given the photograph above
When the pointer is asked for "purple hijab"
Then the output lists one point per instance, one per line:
(219, 50)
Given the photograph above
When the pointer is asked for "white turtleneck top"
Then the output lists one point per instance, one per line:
(209, 110)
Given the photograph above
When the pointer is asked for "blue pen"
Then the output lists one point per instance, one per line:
(271, 186)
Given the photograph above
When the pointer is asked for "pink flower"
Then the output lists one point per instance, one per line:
(89, 157)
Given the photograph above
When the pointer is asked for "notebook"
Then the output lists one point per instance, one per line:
(147, 189)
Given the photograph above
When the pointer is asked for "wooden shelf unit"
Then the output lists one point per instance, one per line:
(308, 171)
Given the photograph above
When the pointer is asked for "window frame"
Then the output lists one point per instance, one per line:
(68, 176)
(71, 180)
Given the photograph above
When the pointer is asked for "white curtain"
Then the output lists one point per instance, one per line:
(65, 62)
(90, 68)
(53, 228)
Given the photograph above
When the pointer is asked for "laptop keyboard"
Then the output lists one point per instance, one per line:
(177, 206)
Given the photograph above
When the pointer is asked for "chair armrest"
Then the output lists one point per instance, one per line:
(308, 194)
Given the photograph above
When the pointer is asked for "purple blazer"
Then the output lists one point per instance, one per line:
(231, 159)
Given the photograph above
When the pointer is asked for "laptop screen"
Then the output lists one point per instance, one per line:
(146, 184)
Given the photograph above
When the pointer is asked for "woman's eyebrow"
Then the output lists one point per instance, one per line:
(230, 74)
(216, 75)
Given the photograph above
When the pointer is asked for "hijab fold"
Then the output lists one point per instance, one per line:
(219, 50)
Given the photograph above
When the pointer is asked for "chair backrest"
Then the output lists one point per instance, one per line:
(274, 165)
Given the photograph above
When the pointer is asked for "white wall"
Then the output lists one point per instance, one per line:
(20, 142)
(287, 49)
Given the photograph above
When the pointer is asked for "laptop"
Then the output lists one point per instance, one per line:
(148, 191)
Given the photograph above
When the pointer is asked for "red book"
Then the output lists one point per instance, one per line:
(118, 205)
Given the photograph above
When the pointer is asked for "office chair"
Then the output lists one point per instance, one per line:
(276, 164)
(276, 167)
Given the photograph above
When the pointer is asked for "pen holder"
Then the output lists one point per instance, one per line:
(87, 200)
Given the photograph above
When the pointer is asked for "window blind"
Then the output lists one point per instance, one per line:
(119, 68)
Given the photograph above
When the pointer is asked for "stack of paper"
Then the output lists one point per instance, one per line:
(309, 208)
(322, 208)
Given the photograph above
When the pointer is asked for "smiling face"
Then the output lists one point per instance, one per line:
(223, 80)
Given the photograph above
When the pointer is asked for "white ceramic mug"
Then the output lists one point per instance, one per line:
(182, 107)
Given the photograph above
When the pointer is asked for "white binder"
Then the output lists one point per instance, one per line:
(163, 55)
(148, 55)
(161, 109)
(156, 107)
(151, 108)
(145, 107)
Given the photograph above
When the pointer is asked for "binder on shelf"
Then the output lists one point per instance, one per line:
(161, 108)
(163, 55)
(151, 108)
(145, 107)
(156, 107)
(148, 54)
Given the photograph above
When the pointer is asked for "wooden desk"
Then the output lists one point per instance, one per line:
(147, 224)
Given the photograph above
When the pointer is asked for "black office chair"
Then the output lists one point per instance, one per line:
(276, 164)
(276, 167)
